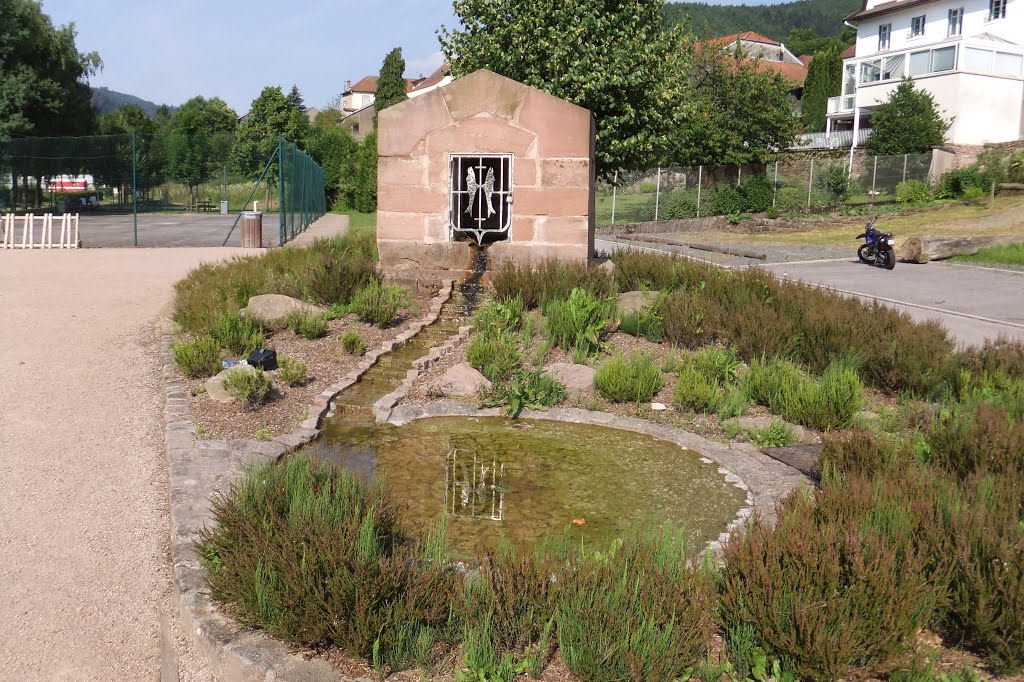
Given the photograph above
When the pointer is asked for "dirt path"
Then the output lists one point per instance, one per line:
(85, 587)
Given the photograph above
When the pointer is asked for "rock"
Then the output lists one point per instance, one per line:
(215, 385)
(575, 378)
(273, 309)
(925, 249)
(461, 381)
(659, 407)
(606, 265)
(632, 301)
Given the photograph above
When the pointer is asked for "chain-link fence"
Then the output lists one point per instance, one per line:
(793, 184)
(156, 190)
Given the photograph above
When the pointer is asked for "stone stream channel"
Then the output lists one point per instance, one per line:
(519, 479)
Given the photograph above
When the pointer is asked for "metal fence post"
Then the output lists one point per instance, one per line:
(280, 188)
(135, 193)
(775, 183)
(657, 195)
(874, 176)
(810, 183)
(904, 168)
(615, 187)
(700, 182)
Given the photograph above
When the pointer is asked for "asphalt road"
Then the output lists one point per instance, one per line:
(168, 229)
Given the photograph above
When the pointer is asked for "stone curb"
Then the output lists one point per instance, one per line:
(200, 469)
(764, 480)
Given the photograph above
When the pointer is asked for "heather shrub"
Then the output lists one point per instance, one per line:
(307, 324)
(690, 321)
(251, 388)
(839, 583)
(496, 316)
(624, 379)
(551, 279)
(719, 362)
(496, 355)
(313, 555)
(291, 370)
(983, 438)
(240, 335)
(352, 343)
(638, 613)
(778, 434)
(576, 323)
(379, 303)
(197, 358)
(647, 321)
(697, 390)
(912, 191)
(783, 388)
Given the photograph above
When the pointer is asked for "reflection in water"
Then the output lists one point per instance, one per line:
(473, 487)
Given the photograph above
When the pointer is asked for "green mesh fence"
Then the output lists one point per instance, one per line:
(157, 190)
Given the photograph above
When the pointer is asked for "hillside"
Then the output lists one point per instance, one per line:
(773, 21)
(105, 100)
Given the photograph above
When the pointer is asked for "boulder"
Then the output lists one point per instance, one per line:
(925, 249)
(575, 378)
(632, 301)
(461, 381)
(215, 385)
(273, 309)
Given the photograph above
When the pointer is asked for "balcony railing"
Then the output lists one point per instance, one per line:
(837, 139)
(841, 105)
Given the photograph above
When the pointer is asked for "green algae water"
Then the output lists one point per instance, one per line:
(525, 479)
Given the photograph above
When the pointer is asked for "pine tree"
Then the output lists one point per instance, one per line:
(295, 97)
(906, 123)
(391, 84)
(824, 80)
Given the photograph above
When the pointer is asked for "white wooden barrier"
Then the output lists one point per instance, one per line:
(67, 239)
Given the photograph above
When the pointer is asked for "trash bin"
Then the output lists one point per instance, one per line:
(252, 230)
(223, 208)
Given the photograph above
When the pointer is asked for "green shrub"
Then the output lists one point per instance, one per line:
(780, 386)
(312, 555)
(641, 613)
(251, 388)
(972, 195)
(551, 279)
(498, 316)
(758, 192)
(772, 213)
(719, 362)
(629, 379)
(835, 179)
(352, 343)
(778, 434)
(646, 322)
(292, 371)
(840, 582)
(197, 358)
(697, 390)
(379, 303)
(724, 198)
(982, 438)
(576, 324)
(308, 325)
(240, 335)
(328, 271)
(690, 321)
(957, 183)
(912, 191)
(791, 199)
(496, 355)
(679, 204)
(522, 389)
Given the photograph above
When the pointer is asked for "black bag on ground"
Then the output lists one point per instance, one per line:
(264, 358)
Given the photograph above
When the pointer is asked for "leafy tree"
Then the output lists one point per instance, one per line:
(391, 84)
(331, 146)
(615, 58)
(357, 185)
(295, 97)
(272, 115)
(201, 136)
(775, 21)
(150, 146)
(730, 112)
(824, 80)
(802, 41)
(906, 123)
(43, 76)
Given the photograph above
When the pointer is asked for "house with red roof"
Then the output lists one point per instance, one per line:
(766, 55)
(357, 99)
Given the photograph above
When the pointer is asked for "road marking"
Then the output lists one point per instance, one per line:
(987, 268)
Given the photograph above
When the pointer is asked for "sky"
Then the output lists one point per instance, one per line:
(170, 51)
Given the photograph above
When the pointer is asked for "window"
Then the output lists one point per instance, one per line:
(919, 62)
(850, 81)
(996, 9)
(956, 22)
(884, 31)
(917, 26)
(990, 61)
(892, 67)
(871, 71)
(944, 59)
(1007, 63)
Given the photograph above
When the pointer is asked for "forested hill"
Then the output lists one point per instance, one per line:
(774, 21)
(105, 100)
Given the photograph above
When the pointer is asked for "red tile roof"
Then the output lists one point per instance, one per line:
(850, 52)
(432, 79)
(796, 73)
(746, 35)
(368, 84)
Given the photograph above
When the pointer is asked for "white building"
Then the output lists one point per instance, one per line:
(967, 53)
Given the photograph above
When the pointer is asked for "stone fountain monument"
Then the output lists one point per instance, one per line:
(484, 160)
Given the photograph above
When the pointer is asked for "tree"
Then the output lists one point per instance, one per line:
(150, 147)
(807, 41)
(907, 123)
(295, 97)
(331, 146)
(200, 141)
(731, 112)
(824, 80)
(615, 58)
(272, 115)
(43, 77)
(391, 84)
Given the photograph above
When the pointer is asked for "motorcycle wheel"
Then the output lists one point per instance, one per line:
(866, 254)
(886, 258)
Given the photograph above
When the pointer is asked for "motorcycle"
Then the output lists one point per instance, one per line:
(877, 247)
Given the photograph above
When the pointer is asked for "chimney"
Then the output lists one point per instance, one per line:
(348, 85)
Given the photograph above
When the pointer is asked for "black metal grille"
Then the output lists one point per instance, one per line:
(480, 197)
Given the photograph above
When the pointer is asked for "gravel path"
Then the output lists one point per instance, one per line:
(85, 588)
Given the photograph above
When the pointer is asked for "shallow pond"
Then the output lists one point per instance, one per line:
(525, 479)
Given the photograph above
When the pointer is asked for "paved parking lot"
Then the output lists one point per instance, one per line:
(168, 229)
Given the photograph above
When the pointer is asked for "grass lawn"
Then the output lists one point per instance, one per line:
(1006, 254)
(357, 219)
(629, 208)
